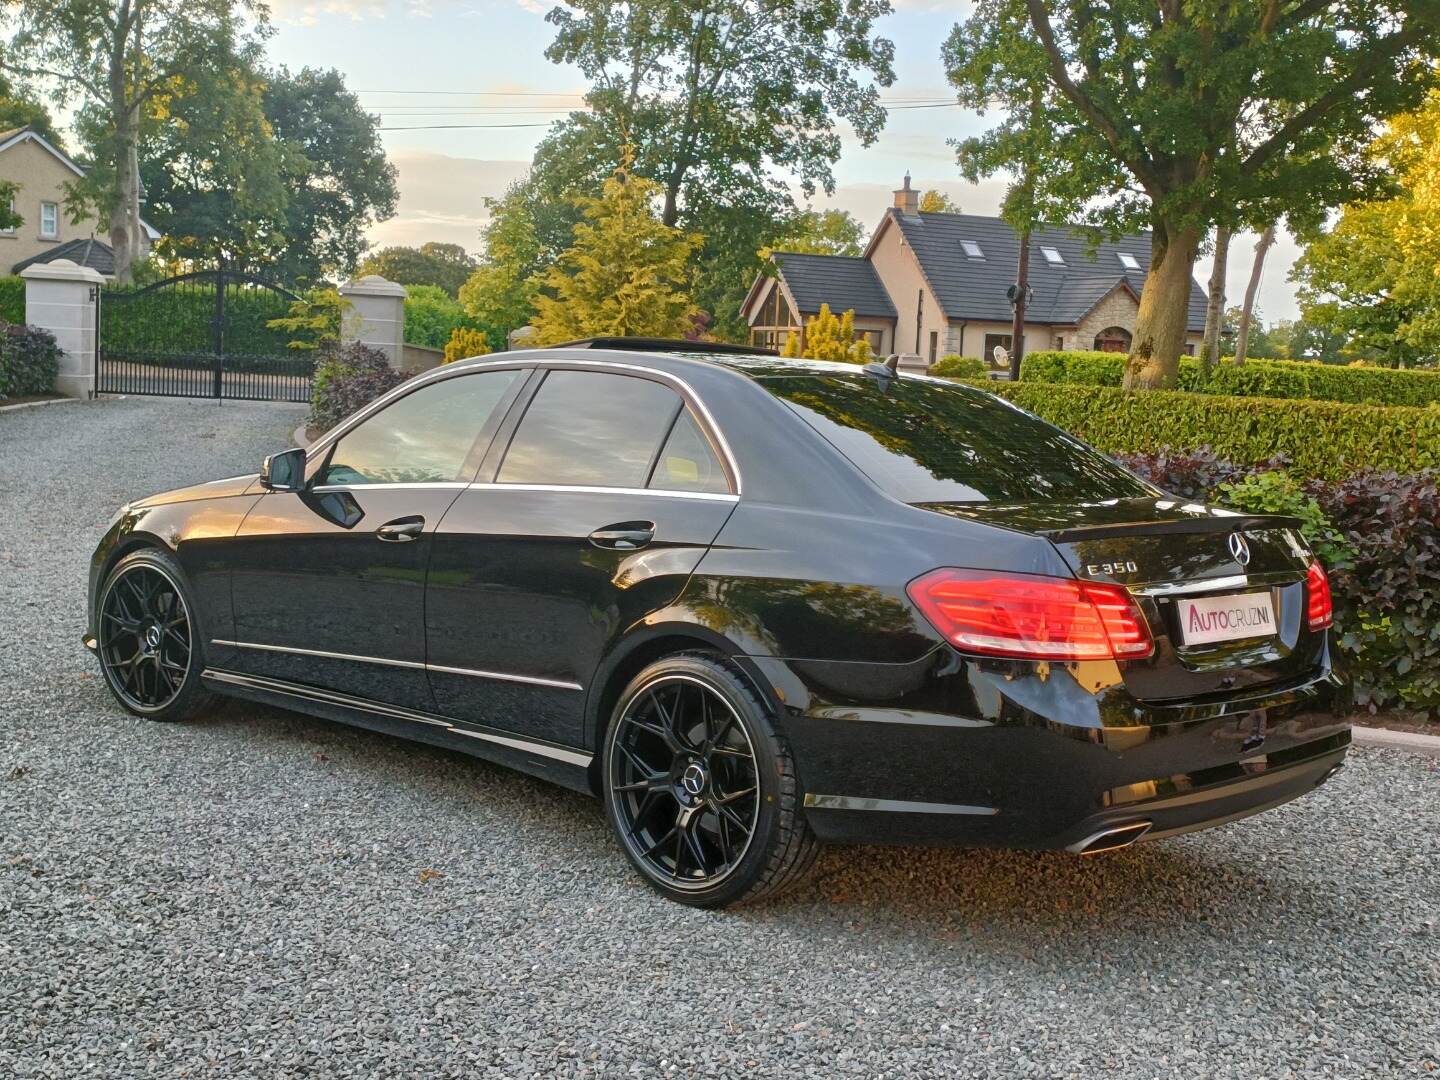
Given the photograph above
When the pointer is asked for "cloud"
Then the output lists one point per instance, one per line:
(443, 198)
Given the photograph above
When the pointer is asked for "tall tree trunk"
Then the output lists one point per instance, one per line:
(123, 212)
(1242, 339)
(1164, 309)
(1215, 303)
(1017, 327)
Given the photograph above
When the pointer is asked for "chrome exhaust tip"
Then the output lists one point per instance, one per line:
(1111, 839)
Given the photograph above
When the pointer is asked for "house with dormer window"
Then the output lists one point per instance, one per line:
(937, 284)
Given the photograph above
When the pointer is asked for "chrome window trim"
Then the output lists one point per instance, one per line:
(280, 686)
(536, 680)
(321, 446)
(662, 493)
(452, 485)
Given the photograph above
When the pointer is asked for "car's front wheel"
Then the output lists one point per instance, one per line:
(147, 639)
(700, 787)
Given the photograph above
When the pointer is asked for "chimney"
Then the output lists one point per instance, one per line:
(907, 199)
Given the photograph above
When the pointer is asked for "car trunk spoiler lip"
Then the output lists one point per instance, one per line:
(1219, 523)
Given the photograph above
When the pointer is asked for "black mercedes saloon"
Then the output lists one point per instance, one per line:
(752, 604)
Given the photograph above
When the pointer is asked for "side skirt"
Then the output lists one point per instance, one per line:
(561, 765)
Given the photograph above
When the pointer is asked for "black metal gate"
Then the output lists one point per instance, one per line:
(204, 334)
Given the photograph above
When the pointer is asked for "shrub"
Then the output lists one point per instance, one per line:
(828, 337)
(347, 378)
(465, 343)
(954, 366)
(314, 320)
(1322, 439)
(29, 361)
(1256, 378)
(12, 299)
(1378, 534)
(432, 316)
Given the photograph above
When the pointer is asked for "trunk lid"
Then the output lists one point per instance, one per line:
(1178, 559)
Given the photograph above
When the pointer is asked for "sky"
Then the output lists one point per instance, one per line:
(432, 67)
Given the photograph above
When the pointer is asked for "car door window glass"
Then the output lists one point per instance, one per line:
(422, 438)
(590, 429)
(687, 461)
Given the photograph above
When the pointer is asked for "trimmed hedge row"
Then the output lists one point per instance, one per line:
(29, 360)
(1324, 440)
(1257, 378)
(12, 299)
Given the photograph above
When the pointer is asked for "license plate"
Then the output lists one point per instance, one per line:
(1234, 617)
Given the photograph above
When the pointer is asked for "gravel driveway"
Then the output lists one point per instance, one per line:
(261, 894)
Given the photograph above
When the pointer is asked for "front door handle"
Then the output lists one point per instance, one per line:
(624, 536)
(401, 529)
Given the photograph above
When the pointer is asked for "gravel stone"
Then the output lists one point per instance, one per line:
(261, 894)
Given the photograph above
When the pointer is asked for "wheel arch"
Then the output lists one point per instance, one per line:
(642, 646)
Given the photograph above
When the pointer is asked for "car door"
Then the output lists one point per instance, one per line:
(328, 584)
(594, 514)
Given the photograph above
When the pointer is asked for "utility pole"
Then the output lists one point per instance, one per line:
(1021, 294)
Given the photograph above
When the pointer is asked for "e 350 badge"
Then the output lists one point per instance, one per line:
(1111, 569)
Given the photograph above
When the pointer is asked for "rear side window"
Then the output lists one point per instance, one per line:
(687, 461)
(590, 429)
(424, 437)
(926, 441)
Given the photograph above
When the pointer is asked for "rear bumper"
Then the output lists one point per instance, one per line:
(1004, 766)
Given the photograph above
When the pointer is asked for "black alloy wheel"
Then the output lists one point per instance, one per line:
(146, 637)
(700, 788)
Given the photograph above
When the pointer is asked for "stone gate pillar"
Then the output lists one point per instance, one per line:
(61, 296)
(376, 316)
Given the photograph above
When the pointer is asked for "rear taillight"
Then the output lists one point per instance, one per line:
(1318, 609)
(1032, 617)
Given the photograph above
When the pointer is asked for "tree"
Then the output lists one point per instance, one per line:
(1215, 301)
(1247, 311)
(114, 57)
(1374, 278)
(338, 183)
(1180, 116)
(18, 109)
(937, 202)
(820, 232)
(446, 266)
(625, 275)
(829, 338)
(212, 171)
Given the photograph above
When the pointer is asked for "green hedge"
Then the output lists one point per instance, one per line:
(1257, 378)
(175, 321)
(1325, 440)
(29, 360)
(12, 300)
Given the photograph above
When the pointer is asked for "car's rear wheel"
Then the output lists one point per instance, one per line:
(147, 639)
(700, 787)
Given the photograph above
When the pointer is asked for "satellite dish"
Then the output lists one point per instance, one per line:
(1002, 356)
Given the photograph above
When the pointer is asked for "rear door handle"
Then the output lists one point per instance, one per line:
(401, 529)
(624, 536)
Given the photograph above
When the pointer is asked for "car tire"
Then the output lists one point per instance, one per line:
(686, 739)
(147, 637)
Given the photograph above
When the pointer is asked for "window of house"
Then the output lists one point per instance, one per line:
(687, 461)
(49, 221)
(934, 345)
(1128, 261)
(1059, 343)
(1052, 256)
(992, 340)
(422, 438)
(971, 249)
(874, 337)
(590, 429)
(11, 231)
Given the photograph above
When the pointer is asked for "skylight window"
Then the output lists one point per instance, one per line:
(971, 249)
(1052, 256)
(1128, 261)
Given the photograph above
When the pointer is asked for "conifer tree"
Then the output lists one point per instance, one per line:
(830, 338)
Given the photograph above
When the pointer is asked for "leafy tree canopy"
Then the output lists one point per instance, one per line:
(937, 202)
(626, 274)
(1181, 115)
(821, 232)
(445, 266)
(1374, 278)
(18, 109)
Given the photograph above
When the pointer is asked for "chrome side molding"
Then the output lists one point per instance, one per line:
(564, 754)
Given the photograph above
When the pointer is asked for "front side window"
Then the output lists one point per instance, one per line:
(49, 220)
(923, 441)
(424, 437)
(590, 429)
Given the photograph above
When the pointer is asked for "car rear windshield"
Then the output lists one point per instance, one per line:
(924, 441)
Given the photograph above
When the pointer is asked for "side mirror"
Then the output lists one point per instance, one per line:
(284, 471)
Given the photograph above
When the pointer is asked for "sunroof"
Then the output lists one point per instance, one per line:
(1052, 256)
(1129, 261)
(971, 249)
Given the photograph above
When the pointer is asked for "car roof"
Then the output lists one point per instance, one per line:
(647, 352)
